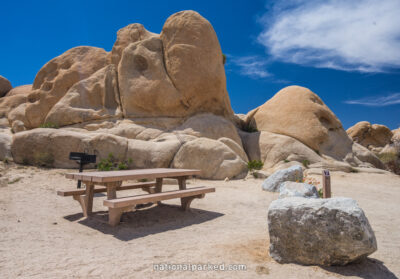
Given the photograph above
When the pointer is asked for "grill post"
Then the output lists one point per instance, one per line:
(80, 170)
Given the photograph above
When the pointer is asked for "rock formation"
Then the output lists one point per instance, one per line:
(94, 98)
(396, 135)
(54, 80)
(14, 98)
(212, 157)
(296, 127)
(299, 113)
(129, 34)
(193, 60)
(142, 76)
(370, 136)
(275, 149)
(383, 142)
(162, 100)
(5, 86)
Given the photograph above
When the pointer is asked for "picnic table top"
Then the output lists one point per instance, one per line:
(114, 176)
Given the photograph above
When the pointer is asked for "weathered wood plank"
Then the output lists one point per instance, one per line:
(112, 176)
(103, 190)
(146, 198)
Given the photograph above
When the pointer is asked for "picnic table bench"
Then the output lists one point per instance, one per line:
(111, 182)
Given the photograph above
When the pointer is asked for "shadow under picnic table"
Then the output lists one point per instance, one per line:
(146, 221)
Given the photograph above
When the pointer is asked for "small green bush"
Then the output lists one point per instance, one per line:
(387, 157)
(122, 166)
(223, 58)
(306, 163)
(286, 161)
(49, 125)
(353, 170)
(111, 163)
(255, 165)
(320, 193)
(391, 161)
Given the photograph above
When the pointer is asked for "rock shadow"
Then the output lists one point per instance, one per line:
(368, 268)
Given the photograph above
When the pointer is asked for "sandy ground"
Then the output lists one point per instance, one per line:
(43, 235)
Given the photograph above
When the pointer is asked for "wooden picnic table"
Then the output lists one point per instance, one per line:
(112, 181)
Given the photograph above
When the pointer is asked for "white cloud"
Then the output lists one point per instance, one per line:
(251, 66)
(378, 101)
(346, 35)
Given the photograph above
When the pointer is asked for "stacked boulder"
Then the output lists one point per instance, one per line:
(178, 73)
(279, 139)
(383, 142)
(5, 86)
(370, 135)
(159, 99)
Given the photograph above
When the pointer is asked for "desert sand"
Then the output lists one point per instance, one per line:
(45, 236)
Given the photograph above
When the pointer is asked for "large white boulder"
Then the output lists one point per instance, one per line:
(273, 182)
(215, 159)
(51, 148)
(5, 146)
(319, 231)
(295, 189)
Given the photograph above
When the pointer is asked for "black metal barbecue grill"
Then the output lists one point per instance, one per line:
(82, 158)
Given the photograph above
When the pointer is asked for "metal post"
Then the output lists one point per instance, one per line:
(326, 184)
(80, 170)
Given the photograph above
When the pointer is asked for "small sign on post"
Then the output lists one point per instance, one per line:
(326, 184)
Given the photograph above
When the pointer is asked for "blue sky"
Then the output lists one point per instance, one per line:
(348, 52)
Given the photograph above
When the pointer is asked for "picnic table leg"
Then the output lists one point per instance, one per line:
(112, 189)
(88, 199)
(158, 189)
(185, 202)
(81, 201)
(114, 216)
(182, 183)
